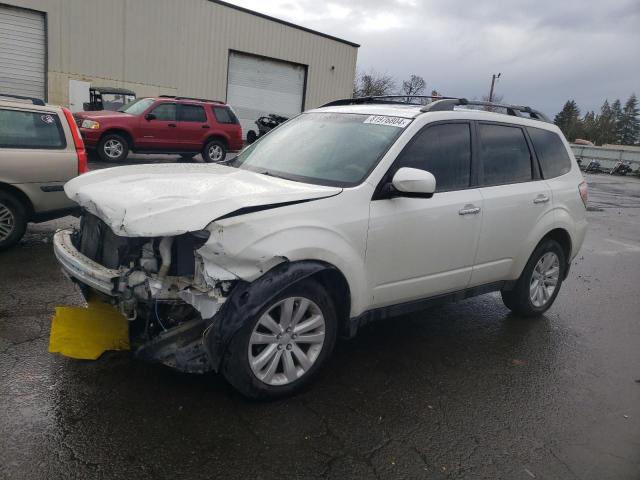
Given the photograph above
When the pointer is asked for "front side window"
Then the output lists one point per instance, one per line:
(445, 151)
(505, 155)
(552, 154)
(165, 112)
(323, 148)
(137, 107)
(191, 113)
(20, 129)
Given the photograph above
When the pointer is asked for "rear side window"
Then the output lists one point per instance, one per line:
(445, 151)
(553, 156)
(19, 129)
(224, 115)
(191, 113)
(505, 155)
(165, 112)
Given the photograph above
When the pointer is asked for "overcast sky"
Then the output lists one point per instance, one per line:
(547, 50)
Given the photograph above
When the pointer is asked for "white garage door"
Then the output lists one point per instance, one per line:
(259, 86)
(22, 52)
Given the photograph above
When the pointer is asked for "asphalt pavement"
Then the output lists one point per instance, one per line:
(462, 391)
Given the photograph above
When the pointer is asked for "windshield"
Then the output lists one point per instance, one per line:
(323, 148)
(137, 107)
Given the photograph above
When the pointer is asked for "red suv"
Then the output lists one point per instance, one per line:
(182, 125)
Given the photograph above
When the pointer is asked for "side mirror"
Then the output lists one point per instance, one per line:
(150, 116)
(413, 182)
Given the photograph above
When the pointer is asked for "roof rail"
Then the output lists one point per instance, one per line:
(35, 101)
(441, 104)
(389, 99)
(514, 110)
(191, 98)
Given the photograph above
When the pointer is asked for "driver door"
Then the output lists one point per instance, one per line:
(421, 247)
(160, 131)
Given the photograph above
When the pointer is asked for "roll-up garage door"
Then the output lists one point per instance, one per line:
(259, 86)
(22, 52)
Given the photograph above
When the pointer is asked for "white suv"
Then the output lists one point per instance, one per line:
(353, 212)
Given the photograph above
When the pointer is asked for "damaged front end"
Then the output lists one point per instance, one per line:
(158, 284)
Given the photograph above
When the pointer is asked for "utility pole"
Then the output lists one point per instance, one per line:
(493, 82)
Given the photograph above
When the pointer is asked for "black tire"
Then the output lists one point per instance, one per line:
(13, 220)
(212, 146)
(252, 136)
(107, 145)
(519, 299)
(236, 368)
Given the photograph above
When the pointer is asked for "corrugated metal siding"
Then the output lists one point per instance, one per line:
(22, 52)
(180, 46)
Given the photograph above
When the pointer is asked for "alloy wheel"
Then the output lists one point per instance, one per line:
(215, 153)
(544, 279)
(286, 341)
(113, 148)
(7, 222)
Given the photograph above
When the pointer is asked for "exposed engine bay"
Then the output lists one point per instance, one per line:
(161, 288)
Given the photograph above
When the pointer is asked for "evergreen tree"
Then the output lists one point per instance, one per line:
(568, 120)
(605, 125)
(590, 126)
(630, 123)
(616, 109)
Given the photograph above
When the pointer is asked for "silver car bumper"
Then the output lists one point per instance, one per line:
(82, 268)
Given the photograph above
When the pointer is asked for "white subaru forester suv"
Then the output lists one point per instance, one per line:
(360, 210)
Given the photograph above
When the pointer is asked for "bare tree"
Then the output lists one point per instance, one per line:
(414, 86)
(372, 84)
(496, 99)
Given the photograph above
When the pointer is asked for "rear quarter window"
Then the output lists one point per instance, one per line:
(224, 115)
(551, 152)
(21, 129)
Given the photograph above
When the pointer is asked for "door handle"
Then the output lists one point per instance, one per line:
(469, 210)
(172, 125)
(541, 199)
(206, 126)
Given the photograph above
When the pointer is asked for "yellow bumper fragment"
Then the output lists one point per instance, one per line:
(86, 333)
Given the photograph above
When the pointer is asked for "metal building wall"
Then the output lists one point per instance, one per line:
(178, 46)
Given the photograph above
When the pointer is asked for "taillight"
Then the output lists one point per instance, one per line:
(77, 140)
(584, 193)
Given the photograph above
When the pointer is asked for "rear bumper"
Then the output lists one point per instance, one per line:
(82, 268)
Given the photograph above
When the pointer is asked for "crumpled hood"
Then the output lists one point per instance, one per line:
(171, 199)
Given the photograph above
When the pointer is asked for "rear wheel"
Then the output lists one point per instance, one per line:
(538, 286)
(282, 348)
(252, 136)
(214, 151)
(113, 148)
(13, 220)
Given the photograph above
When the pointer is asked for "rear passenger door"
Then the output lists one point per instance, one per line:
(193, 126)
(515, 199)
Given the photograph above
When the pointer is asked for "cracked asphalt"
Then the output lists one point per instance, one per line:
(462, 391)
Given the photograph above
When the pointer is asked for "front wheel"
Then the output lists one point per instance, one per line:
(113, 148)
(282, 348)
(214, 151)
(538, 286)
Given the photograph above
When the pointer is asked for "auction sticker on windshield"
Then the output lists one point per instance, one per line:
(388, 121)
